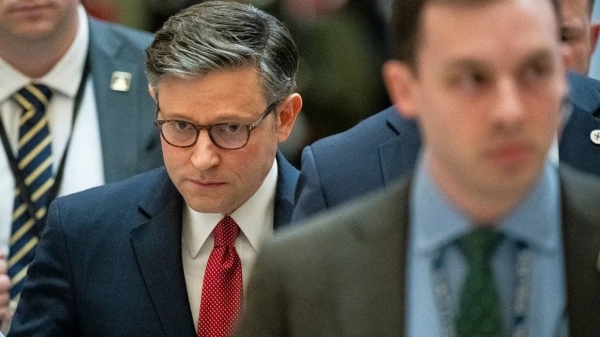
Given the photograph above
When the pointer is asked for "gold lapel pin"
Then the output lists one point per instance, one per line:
(120, 81)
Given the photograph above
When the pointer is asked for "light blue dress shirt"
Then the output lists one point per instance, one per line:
(435, 226)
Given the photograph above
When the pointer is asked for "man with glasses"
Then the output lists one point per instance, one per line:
(168, 252)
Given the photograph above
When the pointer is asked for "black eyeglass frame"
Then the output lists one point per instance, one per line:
(159, 123)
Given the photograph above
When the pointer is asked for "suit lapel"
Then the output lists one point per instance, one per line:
(406, 144)
(284, 194)
(157, 246)
(584, 92)
(115, 109)
(576, 148)
(371, 288)
(581, 235)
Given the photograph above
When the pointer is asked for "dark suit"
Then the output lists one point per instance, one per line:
(344, 273)
(109, 261)
(576, 147)
(130, 142)
(382, 148)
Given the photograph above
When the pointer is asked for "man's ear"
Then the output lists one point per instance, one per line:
(594, 32)
(152, 92)
(400, 82)
(566, 53)
(288, 111)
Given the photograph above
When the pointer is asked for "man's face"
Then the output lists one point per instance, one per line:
(211, 179)
(487, 93)
(36, 20)
(578, 34)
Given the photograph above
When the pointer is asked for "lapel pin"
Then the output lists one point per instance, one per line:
(595, 137)
(121, 81)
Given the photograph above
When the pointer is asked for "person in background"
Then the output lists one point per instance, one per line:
(167, 253)
(487, 237)
(382, 148)
(75, 114)
(578, 33)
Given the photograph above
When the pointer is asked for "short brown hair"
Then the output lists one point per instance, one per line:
(406, 25)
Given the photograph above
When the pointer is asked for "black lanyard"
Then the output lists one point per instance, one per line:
(25, 194)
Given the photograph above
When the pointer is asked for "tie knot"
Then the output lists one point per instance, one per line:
(33, 97)
(479, 245)
(226, 232)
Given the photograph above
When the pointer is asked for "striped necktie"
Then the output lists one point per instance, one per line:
(35, 166)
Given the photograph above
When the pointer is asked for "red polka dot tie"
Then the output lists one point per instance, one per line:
(222, 287)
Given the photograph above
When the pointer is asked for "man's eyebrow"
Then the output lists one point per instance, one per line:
(571, 28)
(544, 55)
(224, 118)
(467, 64)
(172, 115)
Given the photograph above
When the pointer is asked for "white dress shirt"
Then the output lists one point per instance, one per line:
(255, 219)
(83, 166)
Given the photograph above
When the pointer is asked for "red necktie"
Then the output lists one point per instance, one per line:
(222, 287)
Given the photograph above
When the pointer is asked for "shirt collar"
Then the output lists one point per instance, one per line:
(61, 76)
(254, 217)
(11, 80)
(535, 221)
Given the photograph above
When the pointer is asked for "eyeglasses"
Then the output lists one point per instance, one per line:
(228, 136)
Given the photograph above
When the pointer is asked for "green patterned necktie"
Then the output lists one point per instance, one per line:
(479, 312)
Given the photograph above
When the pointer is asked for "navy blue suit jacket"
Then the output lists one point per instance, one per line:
(109, 261)
(384, 147)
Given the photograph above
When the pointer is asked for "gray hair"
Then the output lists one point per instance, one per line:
(217, 35)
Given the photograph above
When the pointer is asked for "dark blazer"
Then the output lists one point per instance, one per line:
(130, 141)
(384, 147)
(109, 261)
(344, 273)
(576, 147)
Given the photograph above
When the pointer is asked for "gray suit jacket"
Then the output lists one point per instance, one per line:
(344, 275)
(130, 141)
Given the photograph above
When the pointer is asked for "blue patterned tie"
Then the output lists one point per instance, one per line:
(35, 164)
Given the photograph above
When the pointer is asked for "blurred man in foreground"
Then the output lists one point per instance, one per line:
(384, 147)
(486, 237)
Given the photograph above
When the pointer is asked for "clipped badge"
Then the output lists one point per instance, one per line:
(120, 81)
